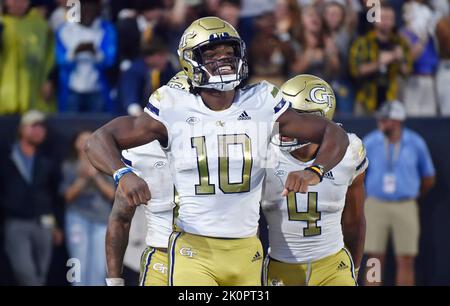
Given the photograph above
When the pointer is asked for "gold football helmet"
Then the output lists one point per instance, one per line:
(202, 33)
(307, 94)
(180, 81)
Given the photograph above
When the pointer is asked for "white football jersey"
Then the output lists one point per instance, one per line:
(218, 158)
(307, 227)
(150, 163)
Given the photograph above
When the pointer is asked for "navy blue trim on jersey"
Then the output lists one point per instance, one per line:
(153, 108)
(280, 105)
(361, 164)
(127, 162)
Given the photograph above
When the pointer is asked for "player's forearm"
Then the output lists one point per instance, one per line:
(103, 147)
(333, 147)
(117, 234)
(116, 245)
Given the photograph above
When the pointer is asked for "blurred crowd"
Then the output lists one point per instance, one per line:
(109, 55)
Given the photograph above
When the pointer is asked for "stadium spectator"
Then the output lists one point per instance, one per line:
(318, 55)
(365, 12)
(339, 24)
(26, 60)
(84, 52)
(28, 180)
(400, 172)
(377, 60)
(250, 9)
(146, 74)
(269, 56)
(419, 92)
(288, 23)
(443, 73)
(139, 19)
(88, 196)
(229, 10)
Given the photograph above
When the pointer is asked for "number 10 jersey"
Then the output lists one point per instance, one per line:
(218, 158)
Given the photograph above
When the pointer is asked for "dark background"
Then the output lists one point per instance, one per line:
(432, 264)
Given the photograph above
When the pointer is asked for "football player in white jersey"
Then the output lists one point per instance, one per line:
(216, 140)
(150, 163)
(308, 245)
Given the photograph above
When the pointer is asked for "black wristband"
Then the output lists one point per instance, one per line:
(318, 170)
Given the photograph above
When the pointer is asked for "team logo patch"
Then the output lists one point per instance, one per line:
(159, 164)
(188, 252)
(192, 120)
(220, 123)
(280, 172)
(160, 268)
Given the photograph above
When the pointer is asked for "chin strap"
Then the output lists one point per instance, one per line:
(222, 83)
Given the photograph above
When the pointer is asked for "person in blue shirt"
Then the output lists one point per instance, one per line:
(401, 171)
(84, 52)
(419, 93)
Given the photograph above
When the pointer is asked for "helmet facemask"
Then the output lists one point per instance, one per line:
(295, 144)
(202, 76)
(288, 146)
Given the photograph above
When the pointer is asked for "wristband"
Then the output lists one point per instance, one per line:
(115, 281)
(120, 173)
(318, 170)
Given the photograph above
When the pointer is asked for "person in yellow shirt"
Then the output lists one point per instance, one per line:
(26, 60)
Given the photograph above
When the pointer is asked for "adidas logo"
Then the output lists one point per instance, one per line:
(342, 266)
(244, 116)
(256, 257)
(329, 175)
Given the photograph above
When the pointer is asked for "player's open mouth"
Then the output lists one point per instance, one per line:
(224, 69)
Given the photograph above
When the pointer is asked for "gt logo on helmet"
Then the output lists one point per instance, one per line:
(319, 95)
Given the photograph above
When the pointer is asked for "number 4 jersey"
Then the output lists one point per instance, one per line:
(307, 227)
(218, 158)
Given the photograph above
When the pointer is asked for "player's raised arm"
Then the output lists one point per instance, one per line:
(310, 128)
(104, 146)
